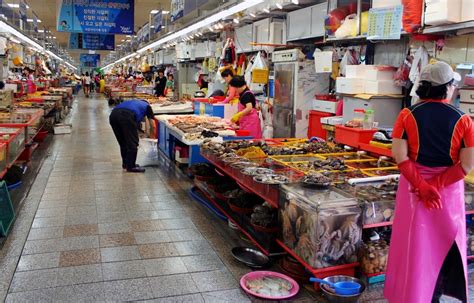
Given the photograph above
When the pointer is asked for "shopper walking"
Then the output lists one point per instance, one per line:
(87, 84)
(433, 146)
(247, 117)
(160, 84)
(125, 120)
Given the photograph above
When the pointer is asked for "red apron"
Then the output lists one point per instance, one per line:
(250, 122)
(421, 239)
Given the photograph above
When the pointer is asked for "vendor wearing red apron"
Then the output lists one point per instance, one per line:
(433, 146)
(247, 117)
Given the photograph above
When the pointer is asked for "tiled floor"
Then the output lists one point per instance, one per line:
(90, 232)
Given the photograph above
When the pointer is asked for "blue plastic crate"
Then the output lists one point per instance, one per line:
(7, 213)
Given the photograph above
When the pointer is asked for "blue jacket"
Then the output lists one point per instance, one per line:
(139, 108)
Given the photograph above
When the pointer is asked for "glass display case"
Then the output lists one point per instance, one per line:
(14, 138)
(373, 257)
(322, 227)
(377, 200)
(28, 118)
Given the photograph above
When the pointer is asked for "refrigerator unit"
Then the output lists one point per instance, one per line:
(296, 83)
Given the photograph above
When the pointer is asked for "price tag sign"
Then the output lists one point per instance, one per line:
(385, 23)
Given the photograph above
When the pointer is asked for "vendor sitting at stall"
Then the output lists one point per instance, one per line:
(125, 120)
(232, 96)
(247, 117)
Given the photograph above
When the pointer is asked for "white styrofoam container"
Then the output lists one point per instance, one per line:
(382, 87)
(377, 75)
(467, 11)
(466, 95)
(325, 106)
(350, 85)
(440, 12)
(338, 120)
(60, 129)
(357, 71)
(385, 3)
(467, 108)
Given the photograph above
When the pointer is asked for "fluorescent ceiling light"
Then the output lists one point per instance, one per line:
(252, 15)
(279, 6)
(31, 20)
(154, 11)
(152, 26)
(165, 12)
(203, 23)
(266, 10)
(295, 2)
(41, 31)
(4, 27)
(54, 55)
(15, 5)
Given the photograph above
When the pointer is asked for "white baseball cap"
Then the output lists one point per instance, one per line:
(439, 73)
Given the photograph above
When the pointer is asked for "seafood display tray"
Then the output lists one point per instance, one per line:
(263, 241)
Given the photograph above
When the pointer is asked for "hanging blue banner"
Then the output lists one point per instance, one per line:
(177, 10)
(96, 16)
(157, 21)
(90, 60)
(23, 10)
(91, 41)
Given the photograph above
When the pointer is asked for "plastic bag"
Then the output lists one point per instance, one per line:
(348, 28)
(401, 75)
(147, 154)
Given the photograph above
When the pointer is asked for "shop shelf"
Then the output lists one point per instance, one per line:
(376, 150)
(241, 221)
(381, 224)
(270, 194)
(346, 269)
(14, 138)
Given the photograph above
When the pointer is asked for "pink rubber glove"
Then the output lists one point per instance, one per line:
(450, 176)
(427, 193)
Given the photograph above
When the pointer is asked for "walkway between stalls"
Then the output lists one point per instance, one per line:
(90, 232)
(96, 233)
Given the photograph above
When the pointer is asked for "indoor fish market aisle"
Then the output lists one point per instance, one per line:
(99, 233)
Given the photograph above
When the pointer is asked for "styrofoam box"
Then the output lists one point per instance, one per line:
(325, 106)
(377, 75)
(440, 12)
(467, 12)
(349, 85)
(467, 108)
(385, 3)
(382, 87)
(60, 129)
(357, 71)
(467, 95)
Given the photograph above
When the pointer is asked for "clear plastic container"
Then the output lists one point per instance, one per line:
(374, 256)
(322, 227)
(359, 116)
(368, 119)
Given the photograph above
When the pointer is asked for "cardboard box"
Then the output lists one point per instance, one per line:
(60, 129)
(439, 12)
(377, 75)
(349, 85)
(382, 87)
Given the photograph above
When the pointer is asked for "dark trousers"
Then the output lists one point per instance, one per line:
(451, 280)
(126, 131)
